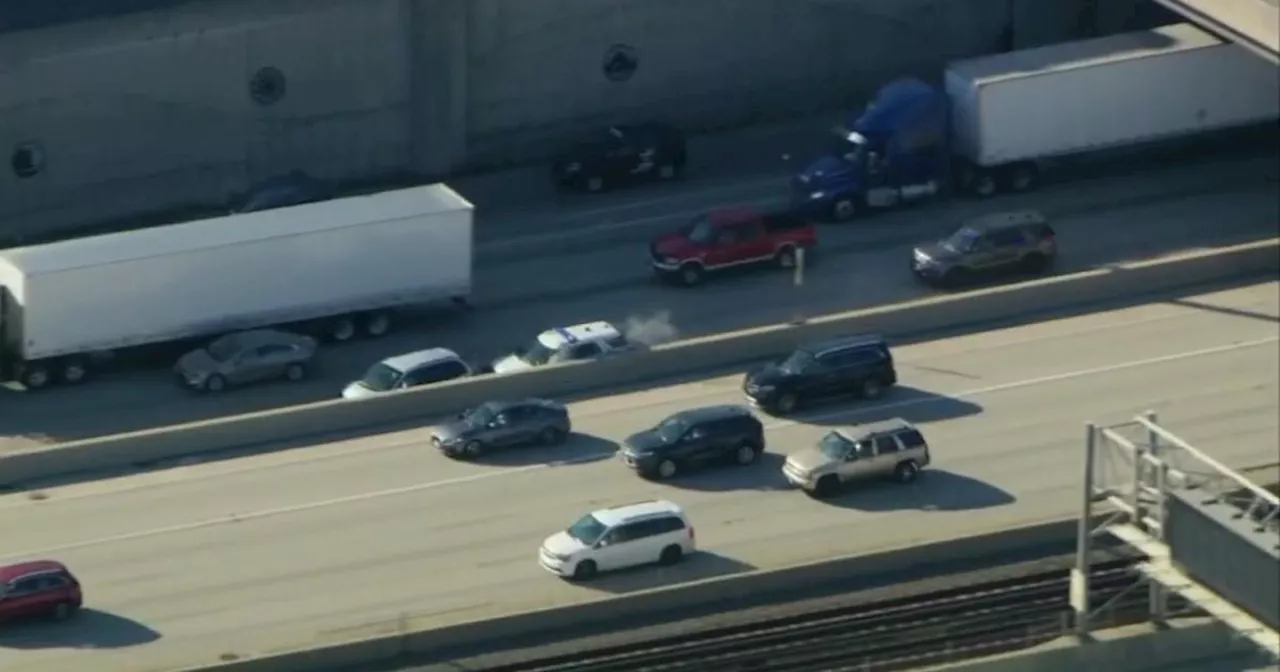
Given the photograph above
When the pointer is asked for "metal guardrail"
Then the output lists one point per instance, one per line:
(889, 635)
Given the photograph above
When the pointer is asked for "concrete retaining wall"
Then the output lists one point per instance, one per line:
(151, 111)
(408, 644)
(927, 315)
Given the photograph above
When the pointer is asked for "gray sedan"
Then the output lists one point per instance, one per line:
(247, 357)
(502, 424)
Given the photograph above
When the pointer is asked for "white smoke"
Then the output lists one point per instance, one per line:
(650, 331)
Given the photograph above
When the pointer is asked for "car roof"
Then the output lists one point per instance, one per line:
(503, 404)
(1004, 220)
(844, 342)
(879, 427)
(578, 333)
(713, 412)
(411, 360)
(620, 514)
(11, 572)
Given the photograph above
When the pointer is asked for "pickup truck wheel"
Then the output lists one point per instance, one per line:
(844, 210)
(906, 472)
(595, 184)
(35, 376)
(786, 257)
(691, 274)
(295, 372)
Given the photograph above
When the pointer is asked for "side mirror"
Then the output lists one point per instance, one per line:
(601, 544)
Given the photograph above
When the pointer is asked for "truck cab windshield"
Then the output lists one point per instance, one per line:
(700, 230)
(535, 353)
(381, 377)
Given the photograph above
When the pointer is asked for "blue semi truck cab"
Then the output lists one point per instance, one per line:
(894, 151)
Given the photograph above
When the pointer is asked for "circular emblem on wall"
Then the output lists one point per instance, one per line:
(620, 62)
(27, 159)
(267, 86)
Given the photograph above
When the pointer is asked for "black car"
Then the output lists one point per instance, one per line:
(281, 191)
(695, 438)
(503, 424)
(857, 365)
(623, 155)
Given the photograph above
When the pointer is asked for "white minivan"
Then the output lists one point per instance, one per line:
(622, 536)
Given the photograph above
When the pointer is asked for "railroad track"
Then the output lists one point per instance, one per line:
(893, 634)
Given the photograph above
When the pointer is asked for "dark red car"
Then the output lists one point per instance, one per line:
(725, 239)
(38, 588)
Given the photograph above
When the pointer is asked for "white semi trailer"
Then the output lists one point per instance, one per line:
(338, 269)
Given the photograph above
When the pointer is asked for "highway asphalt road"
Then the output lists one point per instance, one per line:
(378, 534)
(1101, 221)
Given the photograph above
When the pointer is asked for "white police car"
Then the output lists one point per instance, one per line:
(580, 342)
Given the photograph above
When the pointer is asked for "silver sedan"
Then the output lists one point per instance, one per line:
(247, 357)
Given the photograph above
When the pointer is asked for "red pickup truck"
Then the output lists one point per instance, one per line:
(725, 239)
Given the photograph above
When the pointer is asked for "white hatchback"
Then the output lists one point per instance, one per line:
(622, 536)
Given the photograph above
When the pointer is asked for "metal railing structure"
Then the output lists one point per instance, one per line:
(1132, 470)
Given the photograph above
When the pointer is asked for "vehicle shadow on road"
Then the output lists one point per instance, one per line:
(695, 567)
(89, 629)
(933, 490)
(902, 401)
(765, 474)
(578, 448)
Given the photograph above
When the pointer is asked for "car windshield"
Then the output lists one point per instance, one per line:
(535, 353)
(587, 530)
(699, 230)
(224, 348)
(961, 240)
(481, 415)
(835, 445)
(381, 377)
(672, 428)
(797, 362)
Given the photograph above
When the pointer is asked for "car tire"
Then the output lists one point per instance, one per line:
(746, 454)
(62, 611)
(785, 258)
(585, 570)
(691, 274)
(551, 436)
(787, 403)
(295, 372)
(214, 383)
(593, 184)
(670, 555)
(473, 449)
(906, 472)
(871, 388)
(825, 487)
(844, 210)
(666, 469)
(1035, 263)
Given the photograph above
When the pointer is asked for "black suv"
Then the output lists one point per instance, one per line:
(623, 154)
(999, 244)
(860, 365)
(695, 438)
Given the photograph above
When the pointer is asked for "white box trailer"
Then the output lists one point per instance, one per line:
(337, 266)
(1017, 108)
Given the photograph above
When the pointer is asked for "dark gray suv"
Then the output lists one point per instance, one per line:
(503, 424)
(994, 245)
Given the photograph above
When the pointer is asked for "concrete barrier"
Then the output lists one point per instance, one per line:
(417, 645)
(916, 317)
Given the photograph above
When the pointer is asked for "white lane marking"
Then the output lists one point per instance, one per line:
(419, 487)
(625, 224)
